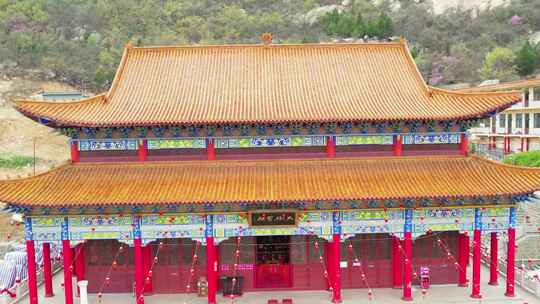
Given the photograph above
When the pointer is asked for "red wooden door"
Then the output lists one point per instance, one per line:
(428, 252)
(99, 257)
(369, 261)
(171, 270)
(273, 268)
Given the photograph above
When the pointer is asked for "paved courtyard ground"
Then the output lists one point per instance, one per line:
(447, 294)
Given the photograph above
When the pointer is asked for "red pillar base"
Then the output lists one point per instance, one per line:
(476, 296)
(493, 283)
(408, 299)
(511, 295)
(463, 285)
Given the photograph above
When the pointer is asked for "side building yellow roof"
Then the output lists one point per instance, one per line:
(505, 86)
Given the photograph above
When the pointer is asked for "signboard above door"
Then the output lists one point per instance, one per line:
(280, 218)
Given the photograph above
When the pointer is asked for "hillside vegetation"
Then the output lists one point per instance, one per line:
(80, 41)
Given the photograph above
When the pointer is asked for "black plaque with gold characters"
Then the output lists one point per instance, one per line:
(276, 218)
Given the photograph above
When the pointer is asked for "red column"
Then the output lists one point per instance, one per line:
(494, 263)
(211, 269)
(463, 259)
(32, 272)
(74, 151)
(397, 146)
(477, 244)
(464, 144)
(139, 271)
(407, 267)
(210, 149)
(510, 263)
(527, 144)
(47, 270)
(397, 263)
(336, 259)
(79, 264)
(147, 257)
(329, 264)
(330, 147)
(143, 150)
(68, 272)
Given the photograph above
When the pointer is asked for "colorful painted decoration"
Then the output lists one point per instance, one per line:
(270, 141)
(193, 143)
(442, 138)
(107, 145)
(345, 140)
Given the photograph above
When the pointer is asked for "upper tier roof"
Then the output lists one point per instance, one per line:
(267, 83)
(269, 181)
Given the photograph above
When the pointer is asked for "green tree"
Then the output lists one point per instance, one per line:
(526, 59)
(499, 64)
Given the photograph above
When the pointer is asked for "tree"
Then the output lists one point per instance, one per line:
(499, 64)
(526, 59)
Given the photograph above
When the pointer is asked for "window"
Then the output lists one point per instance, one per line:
(519, 120)
(502, 120)
(536, 94)
(537, 120)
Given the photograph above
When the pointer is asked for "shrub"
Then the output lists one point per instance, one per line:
(15, 161)
(528, 159)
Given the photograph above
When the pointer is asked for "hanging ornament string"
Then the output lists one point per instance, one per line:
(323, 263)
(113, 267)
(451, 258)
(150, 272)
(235, 268)
(73, 260)
(358, 263)
(194, 261)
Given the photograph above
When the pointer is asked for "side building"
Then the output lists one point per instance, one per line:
(277, 167)
(516, 129)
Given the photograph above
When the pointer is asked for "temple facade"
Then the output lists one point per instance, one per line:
(269, 167)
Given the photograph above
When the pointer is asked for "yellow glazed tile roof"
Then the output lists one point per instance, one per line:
(505, 86)
(274, 83)
(269, 181)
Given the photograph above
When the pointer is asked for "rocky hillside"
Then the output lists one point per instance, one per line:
(17, 137)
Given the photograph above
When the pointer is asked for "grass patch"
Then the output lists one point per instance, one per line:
(527, 159)
(15, 161)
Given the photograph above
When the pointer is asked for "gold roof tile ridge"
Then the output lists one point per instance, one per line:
(476, 93)
(503, 86)
(262, 46)
(20, 101)
(131, 164)
(500, 164)
(120, 71)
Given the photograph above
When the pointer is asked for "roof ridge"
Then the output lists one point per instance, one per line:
(60, 103)
(496, 163)
(263, 46)
(266, 161)
(474, 93)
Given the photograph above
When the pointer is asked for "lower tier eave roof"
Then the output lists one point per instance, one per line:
(268, 181)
